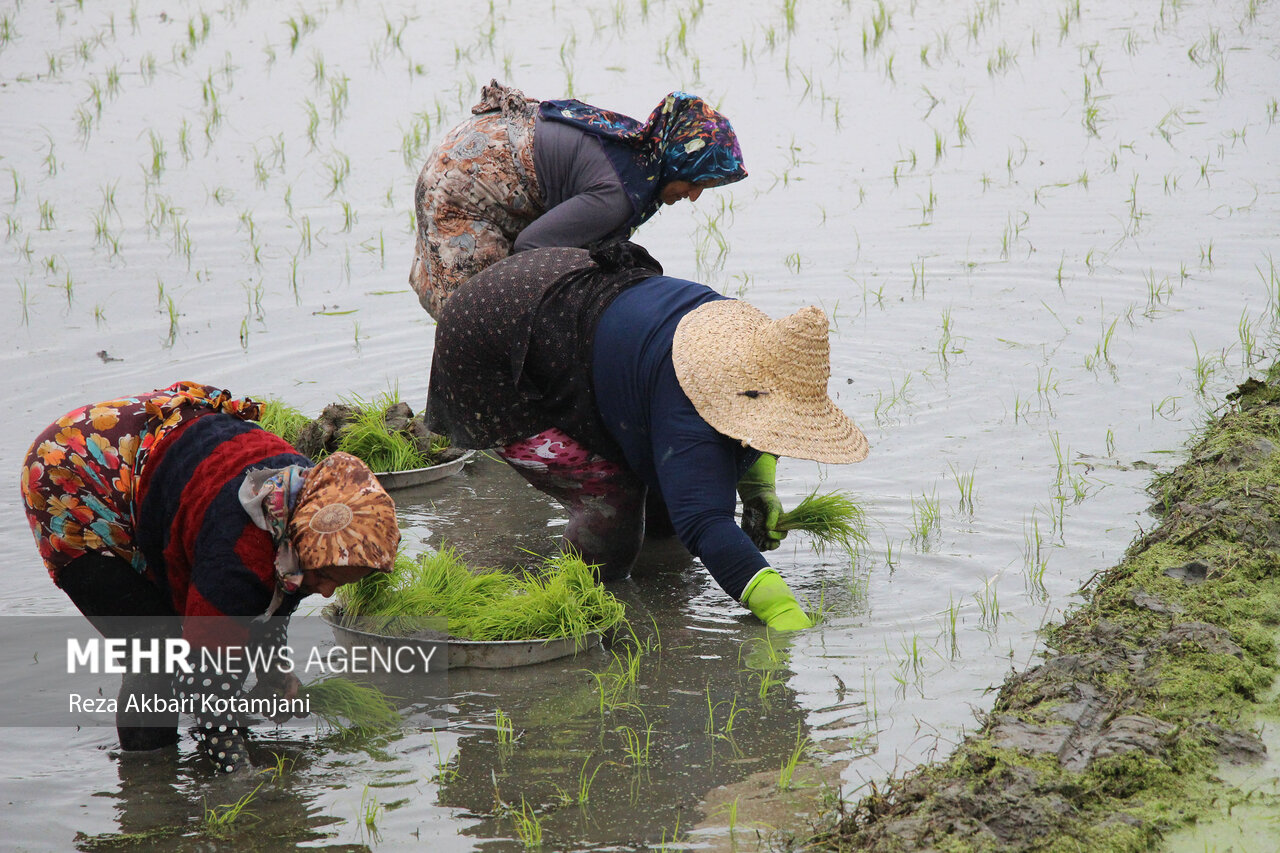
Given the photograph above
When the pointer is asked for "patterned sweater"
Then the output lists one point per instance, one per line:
(216, 565)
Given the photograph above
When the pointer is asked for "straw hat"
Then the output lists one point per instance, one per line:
(764, 382)
(343, 517)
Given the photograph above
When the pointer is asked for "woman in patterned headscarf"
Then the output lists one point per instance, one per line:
(522, 174)
(170, 513)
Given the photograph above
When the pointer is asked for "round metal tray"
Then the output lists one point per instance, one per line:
(417, 476)
(481, 654)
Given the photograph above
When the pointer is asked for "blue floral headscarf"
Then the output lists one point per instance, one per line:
(683, 140)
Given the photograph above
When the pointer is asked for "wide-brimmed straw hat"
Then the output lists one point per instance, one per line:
(344, 517)
(764, 382)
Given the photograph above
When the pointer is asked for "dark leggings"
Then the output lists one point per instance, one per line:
(119, 602)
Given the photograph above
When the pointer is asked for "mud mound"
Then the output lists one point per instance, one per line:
(1114, 738)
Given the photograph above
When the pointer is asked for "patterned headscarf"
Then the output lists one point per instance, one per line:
(684, 139)
(334, 514)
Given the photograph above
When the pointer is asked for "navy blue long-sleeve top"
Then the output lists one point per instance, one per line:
(666, 443)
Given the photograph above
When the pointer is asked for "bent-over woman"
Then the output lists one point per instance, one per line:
(607, 385)
(522, 174)
(171, 511)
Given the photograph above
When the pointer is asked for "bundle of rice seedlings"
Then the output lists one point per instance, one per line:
(282, 419)
(381, 431)
(562, 600)
(351, 707)
(831, 519)
(370, 438)
(439, 591)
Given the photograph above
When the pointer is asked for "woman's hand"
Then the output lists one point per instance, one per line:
(760, 505)
(283, 685)
(771, 600)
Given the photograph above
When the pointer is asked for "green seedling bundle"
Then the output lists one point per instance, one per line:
(439, 591)
(351, 707)
(383, 432)
(831, 519)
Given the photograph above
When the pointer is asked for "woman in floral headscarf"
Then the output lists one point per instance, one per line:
(170, 513)
(522, 174)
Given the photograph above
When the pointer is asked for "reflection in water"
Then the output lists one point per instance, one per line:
(167, 800)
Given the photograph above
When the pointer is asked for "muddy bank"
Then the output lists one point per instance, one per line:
(1145, 691)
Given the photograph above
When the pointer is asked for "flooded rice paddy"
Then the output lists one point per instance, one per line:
(1044, 233)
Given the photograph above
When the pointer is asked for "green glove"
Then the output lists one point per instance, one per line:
(770, 599)
(760, 504)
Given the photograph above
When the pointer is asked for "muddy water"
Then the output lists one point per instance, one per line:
(1044, 233)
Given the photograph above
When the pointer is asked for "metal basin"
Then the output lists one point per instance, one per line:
(392, 480)
(481, 654)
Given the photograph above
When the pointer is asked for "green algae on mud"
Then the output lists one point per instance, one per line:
(1145, 690)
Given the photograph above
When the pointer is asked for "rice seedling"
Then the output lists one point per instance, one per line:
(948, 344)
(1001, 61)
(48, 221)
(829, 519)
(313, 121)
(913, 656)
(1206, 257)
(786, 774)
(1204, 367)
(1101, 355)
(952, 618)
(881, 22)
(339, 168)
(926, 520)
(962, 125)
(528, 825)
(446, 771)
(220, 821)
(637, 743)
(349, 707)
(172, 309)
(560, 599)
(723, 731)
(24, 301)
(585, 781)
(338, 99)
(765, 661)
(370, 809)
(668, 845)
(964, 482)
(505, 729)
(282, 766)
(988, 599)
(1034, 561)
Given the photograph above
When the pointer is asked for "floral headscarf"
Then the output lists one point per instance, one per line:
(684, 139)
(334, 514)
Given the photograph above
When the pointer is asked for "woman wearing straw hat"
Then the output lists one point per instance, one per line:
(604, 382)
(522, 174)
(170, 514)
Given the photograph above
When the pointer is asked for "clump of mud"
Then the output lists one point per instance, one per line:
(1115, 738)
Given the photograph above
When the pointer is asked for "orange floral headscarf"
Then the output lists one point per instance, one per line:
(333, 514)
(344, 517)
